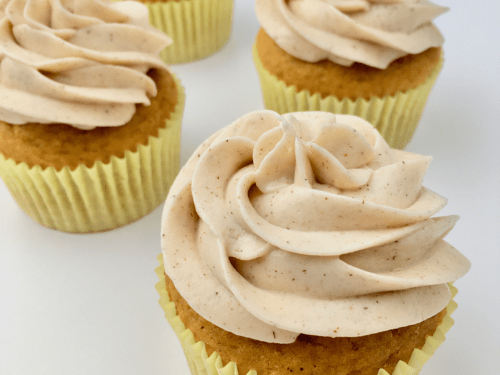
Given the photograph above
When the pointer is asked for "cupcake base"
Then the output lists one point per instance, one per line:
(201, 363)
(394, 116)
(198, 28)
(103, 195)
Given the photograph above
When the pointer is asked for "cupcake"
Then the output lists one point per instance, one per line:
(90, 116)
(371, 58)
(198, 28)
(305, 244)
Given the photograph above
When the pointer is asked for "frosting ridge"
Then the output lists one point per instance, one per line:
(307, 223)
(372, 32)
(82, 63)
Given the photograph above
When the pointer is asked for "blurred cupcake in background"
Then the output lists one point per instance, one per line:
(370, 58)
(90, 116)
(198, 28)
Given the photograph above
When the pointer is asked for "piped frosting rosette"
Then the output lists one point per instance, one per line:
(372, 32)
(307, 223)
(78, 62)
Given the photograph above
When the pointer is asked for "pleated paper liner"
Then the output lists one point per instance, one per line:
(104, 196)
(201, 364)
(395, 117)
(198, 28)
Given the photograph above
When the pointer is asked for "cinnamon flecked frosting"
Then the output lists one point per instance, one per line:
(307, 223)
(371, 32)
(77, 62)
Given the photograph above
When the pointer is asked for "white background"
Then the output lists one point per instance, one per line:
(86, 304)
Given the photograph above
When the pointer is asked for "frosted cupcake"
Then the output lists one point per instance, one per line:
(90, 116)
(305, 244)
(198, 28)
(370, 58)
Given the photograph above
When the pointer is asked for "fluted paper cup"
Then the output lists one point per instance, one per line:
(198, 28)
(395, 116)
(106, 195)
(201, 364)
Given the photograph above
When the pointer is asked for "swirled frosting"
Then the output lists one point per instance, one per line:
(307, 223)
(372, 32)
(77, 62)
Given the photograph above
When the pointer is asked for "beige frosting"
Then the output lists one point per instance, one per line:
(77, 62)
(307, 223)
(372, 32)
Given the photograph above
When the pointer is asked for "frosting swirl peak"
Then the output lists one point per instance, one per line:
(78, 62)
(307, 223)
(372, 32)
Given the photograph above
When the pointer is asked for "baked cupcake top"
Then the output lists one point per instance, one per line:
(371, 32)
(77, 62)
(307, 223)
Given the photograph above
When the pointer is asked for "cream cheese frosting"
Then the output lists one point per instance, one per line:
(77, 62)
(307, 223)
(371, 32)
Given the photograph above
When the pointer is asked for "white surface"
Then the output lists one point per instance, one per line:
(86, 304)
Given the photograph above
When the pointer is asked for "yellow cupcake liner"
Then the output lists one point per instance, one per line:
(202, 364)
(198, 28)
(395, 117)
(104, 196)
